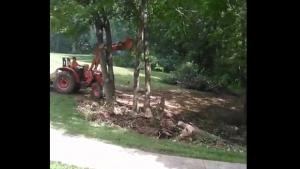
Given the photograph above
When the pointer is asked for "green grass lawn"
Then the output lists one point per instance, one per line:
(64, 116)
(58, 165)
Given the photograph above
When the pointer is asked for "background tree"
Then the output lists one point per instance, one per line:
(73, 17)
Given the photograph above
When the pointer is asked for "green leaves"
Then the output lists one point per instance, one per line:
(73, 17)
(209, 33)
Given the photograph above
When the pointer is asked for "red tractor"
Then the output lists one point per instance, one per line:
(69, 80)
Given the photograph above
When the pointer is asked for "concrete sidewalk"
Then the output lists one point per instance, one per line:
(94, 154)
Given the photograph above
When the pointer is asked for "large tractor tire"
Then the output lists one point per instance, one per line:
(64, 83)
(97, 91)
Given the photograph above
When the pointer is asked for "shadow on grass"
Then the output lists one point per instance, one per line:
(124, 78)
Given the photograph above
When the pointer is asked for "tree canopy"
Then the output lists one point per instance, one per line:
(210, 34)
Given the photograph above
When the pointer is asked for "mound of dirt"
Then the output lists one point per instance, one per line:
(209, 125)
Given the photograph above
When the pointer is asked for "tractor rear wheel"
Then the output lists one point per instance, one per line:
(64, 83)
(97, 91)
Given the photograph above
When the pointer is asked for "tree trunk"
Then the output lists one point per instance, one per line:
(148, 112)
(147, 108)
(136, 83)
(99, 24)
(99, 27)
(139, 51)
(109, 58)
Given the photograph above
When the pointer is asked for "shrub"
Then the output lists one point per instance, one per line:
(188, 76)
(124, 60)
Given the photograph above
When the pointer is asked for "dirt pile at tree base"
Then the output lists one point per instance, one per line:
(164, 124)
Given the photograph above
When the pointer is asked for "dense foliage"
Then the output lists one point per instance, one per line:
(203, 40)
